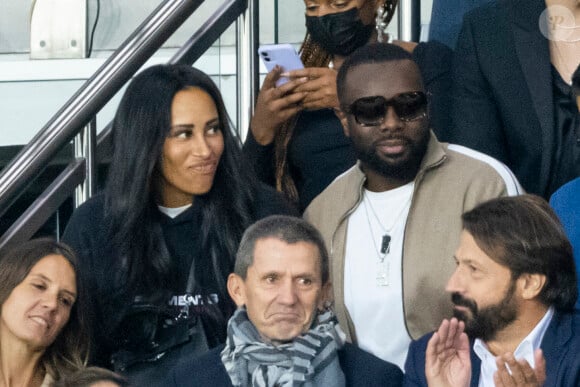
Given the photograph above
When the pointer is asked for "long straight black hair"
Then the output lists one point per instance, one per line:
(140, 128)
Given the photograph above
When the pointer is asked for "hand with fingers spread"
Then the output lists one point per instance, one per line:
(320, 87)
(522, 374)
(275, 105)
(447, 360)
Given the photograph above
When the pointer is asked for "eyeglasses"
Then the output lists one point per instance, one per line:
(371, 111)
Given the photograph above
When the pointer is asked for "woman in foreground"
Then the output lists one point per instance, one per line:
(43, 334)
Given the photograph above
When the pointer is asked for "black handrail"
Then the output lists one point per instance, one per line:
(43, 207)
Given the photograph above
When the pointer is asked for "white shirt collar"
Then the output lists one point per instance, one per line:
(173, 212)
(525, 350)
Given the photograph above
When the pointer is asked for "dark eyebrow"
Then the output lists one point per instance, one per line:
(213, 121)
(462, 260)
(181, 127)
(42, 276)
(305, 275)
(471, 262)
(73, 295)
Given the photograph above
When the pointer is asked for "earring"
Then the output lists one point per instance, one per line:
(381, 25)
(384, 15)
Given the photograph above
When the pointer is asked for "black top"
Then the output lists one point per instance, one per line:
(316, 163)
(319, 151)
(360, 369)
(87, 233)
(567, 126)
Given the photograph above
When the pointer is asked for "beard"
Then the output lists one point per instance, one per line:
(486, 322)
(404, 169)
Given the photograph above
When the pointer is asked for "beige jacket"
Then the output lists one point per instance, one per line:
(451, 180)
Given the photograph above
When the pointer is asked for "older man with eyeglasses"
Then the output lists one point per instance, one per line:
(391, 222)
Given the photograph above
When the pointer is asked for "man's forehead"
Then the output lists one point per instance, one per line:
(275, 254)
(470, 252)
(383, 78)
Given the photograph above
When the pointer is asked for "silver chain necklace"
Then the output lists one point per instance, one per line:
(383, 266)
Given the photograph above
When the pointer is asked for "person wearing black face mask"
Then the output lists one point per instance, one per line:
(339, 33)
(296, 142)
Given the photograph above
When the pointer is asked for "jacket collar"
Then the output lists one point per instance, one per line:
(434, 156)
(555, 342)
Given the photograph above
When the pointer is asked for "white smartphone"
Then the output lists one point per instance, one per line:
(283, 55)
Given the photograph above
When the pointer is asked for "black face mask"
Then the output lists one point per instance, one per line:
(339, 33)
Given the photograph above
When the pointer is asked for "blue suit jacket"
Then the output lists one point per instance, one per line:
(561, 347)
(360, 369)
(566, 203)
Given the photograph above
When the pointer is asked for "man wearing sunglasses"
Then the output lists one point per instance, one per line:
(392, 221)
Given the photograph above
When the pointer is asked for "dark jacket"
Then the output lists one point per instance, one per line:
(561, 347)
(503, 91)
(360, 369)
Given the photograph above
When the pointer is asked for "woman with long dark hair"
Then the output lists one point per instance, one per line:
(157, 246)
(43, 332)
(295, 142)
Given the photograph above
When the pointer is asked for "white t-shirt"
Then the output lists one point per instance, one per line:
(373, 290)
(173, 212)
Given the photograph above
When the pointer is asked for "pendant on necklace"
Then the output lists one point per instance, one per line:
(382, 273)
(386, 244)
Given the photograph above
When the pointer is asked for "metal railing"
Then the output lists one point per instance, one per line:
(82, 107)
(409, 16)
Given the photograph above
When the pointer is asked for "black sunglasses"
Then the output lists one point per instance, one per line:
(371, 111)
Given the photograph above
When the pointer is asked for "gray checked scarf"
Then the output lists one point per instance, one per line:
(310, 360)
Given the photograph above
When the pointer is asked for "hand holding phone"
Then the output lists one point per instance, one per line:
(283, 55)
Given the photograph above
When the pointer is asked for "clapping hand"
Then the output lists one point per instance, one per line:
(522, 374)
(448, 362)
